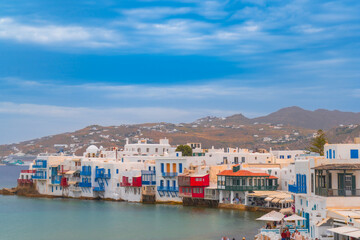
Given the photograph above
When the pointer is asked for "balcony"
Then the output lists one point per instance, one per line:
(147, 172)
(324, 192)
(40, 164)
(39, 177)
(185, 194)
(168, 189)
(75, 188)
(24, 181)
(100, 173)
(85, 173)
(169, 174)
(250, 188)
(297, 189)
(84, 184)
(99, 189)
(125, 184)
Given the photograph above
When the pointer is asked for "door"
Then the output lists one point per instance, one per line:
(168, 167)
(174, 167)
(341, 184)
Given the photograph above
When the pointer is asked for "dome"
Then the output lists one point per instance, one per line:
(92, 149)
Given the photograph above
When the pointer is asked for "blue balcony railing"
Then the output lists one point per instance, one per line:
(84, 184)
(296, 189)
(99, 189)
(40, 164)
(147, 172)
(85, 173)
(148, 183)
(100, 173)
(169, 174)
(169, 189)
(40, 177)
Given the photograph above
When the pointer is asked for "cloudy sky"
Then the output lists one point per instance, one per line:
(68, 64)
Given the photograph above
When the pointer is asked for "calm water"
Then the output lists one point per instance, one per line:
(64, 219)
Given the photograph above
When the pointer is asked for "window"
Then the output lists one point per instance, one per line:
(180, 167)
(117, 171)
(250, 182)
(147, 149)
(236, 160)
(288, 156)
(282, 157)
(312, 182)
(118, 185)
(354, 153)
(243, 182)
(156, 150)
(162, 167)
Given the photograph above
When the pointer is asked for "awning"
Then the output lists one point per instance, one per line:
(272, 216)
(268, 199)
(72, 182)
(346, 230)
(323, 222)
(76, 159)
(275, 200)
(70, 172)
(294, 217)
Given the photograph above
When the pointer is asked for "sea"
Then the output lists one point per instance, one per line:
(24, 218)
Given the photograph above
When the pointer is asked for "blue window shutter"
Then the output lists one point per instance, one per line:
(162, 167)
(354, 153)
(330, 154)
(327, 154)
(334, 154)
(180, 167)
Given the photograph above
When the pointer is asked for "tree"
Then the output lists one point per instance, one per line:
(185, 149)
(317, 144)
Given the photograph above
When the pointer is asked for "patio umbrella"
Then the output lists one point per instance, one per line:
(294, 217)
(287, 211)
(272, 216)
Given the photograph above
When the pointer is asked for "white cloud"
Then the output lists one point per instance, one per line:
(56, 34)
(108, 116)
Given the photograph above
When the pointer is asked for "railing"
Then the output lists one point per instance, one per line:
(75, 188)
(212, 196)
(251, 188)
(39, 177)
(337, 192)
(40, 164)
(187, 194)
(276, 231)
(296, 189)
(28, 171)
(169, 174)
(85, 173)
(125, 184)
(148, 182)
(84, 184)
(147, 172)
(99, 189)
(24, 181)
(169, 189)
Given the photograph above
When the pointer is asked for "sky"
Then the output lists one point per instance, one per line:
(66, 64)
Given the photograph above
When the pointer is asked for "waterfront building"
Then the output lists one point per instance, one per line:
(325, 184)
(192, 186)
(25, 178)
(167, 178)
(234, 184)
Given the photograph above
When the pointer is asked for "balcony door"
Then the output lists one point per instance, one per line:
(347, 184)
(168, 167)
(174, 167)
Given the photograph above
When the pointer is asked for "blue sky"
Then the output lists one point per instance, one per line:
(68, 64)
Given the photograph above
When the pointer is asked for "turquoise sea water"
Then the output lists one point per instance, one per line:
(65, 219)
